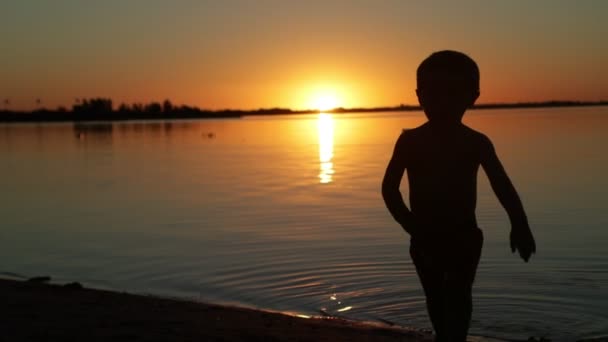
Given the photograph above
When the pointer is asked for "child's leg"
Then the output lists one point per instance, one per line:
(459, 309)
(459, 284)
(432, 278)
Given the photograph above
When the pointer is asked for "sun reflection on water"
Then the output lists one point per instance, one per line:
(325, 129)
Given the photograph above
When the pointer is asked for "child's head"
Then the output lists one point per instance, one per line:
(448, 83)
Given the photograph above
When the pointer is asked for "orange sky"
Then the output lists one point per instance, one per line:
(245, 54)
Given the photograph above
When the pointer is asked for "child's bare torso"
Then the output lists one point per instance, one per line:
(442, 164)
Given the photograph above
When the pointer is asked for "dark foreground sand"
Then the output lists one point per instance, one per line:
(40, 312)
(34, 311)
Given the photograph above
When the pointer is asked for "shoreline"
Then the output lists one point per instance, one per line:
(37, 311)
(108, 114)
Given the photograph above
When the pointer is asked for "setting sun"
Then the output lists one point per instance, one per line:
(325, 100)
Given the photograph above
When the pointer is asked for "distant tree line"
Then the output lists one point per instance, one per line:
(97, 107)
(101, 109)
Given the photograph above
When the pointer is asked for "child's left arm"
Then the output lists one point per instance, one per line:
(521, 235)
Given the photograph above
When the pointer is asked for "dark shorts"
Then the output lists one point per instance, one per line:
(451, 257)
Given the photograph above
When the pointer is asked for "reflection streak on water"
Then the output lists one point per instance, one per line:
(325, 129)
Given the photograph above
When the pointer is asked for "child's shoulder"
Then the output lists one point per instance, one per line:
(475, 134)
(479, 137)
(424, 132)
(410, 135)
(410, 138)
(415, 131)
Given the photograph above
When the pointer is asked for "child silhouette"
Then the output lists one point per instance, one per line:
(442, 157)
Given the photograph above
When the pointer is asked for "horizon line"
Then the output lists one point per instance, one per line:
(135, 106)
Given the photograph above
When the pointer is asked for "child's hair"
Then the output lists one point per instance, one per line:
(448, 64)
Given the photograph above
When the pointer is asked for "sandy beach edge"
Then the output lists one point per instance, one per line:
(38, 311)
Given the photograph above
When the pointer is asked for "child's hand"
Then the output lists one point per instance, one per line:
(523, 241)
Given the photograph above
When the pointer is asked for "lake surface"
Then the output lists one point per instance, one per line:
(285, 213)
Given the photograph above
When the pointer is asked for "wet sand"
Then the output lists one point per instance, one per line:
(39, 312)
(36, 311)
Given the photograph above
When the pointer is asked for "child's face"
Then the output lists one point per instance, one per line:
(445, 97)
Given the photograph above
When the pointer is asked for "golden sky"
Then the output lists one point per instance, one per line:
(251, 54)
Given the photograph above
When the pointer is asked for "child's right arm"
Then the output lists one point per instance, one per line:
(521, 235)
(390, 186)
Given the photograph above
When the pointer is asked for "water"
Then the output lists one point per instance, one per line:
(285, 213)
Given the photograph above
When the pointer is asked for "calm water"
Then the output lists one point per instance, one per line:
(285, 213)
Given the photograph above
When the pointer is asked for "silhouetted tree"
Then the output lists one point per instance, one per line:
(167, 107)
(153, 108)
(94, 106)
(124, 108)
(137, 107)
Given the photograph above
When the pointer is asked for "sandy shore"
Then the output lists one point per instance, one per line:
(39, 312)
(35, 311)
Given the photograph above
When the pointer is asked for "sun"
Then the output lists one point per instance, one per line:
(325, 101)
